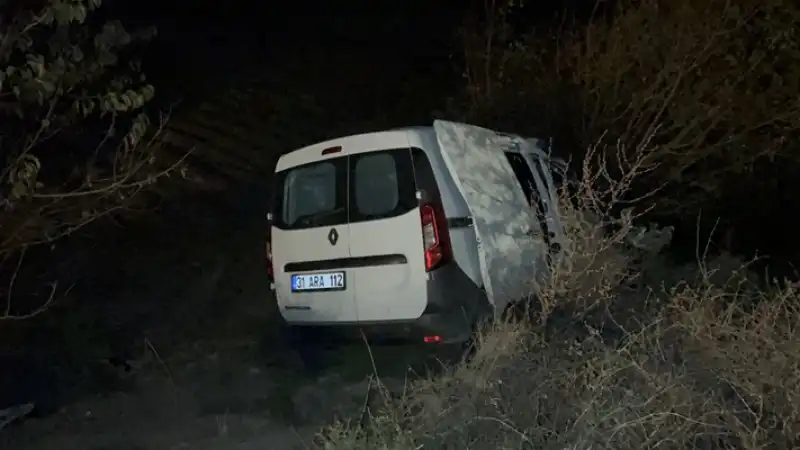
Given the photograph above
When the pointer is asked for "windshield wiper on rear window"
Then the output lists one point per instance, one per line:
(315, 219)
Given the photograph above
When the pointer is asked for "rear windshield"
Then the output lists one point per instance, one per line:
(348, 189)
(313, 194)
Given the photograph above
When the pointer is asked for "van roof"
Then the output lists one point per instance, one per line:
(357, 143)
(411, 136)
(414, 129)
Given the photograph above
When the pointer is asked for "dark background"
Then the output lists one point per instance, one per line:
(204, 46)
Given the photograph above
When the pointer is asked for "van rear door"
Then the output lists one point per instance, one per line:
(311, 243)
(504, 221)
(386, 236)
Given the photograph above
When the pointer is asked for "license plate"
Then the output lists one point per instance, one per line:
(329, 281)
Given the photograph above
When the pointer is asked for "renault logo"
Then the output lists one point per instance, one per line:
(333, 236)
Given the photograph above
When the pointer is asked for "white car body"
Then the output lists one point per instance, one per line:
(416, 233)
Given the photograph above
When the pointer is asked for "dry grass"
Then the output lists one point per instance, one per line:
(624, 352)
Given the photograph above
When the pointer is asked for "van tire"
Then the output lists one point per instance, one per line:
(482, 318)
(480, 325)
(470, 346)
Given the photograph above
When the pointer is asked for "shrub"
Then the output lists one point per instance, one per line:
(712, 83)
(76, 143)
(627, 353)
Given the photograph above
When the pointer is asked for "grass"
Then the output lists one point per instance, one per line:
(348, 370)
(622, 351)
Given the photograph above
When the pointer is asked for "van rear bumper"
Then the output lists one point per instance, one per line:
(442, 328)
(455, 305)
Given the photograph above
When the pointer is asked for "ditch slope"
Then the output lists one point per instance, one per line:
(209, 368)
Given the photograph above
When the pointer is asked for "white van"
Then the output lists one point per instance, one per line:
(414, 233)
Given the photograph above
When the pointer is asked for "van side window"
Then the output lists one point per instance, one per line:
(381, 185)
(558, 178)
(540, 169)
(528, 183)
(524, 175)
(558, 170)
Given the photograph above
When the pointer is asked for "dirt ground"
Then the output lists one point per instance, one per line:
(212, 372)
(218, 401)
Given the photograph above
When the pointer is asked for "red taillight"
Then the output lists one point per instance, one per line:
(331, 150)
(435, 237)
(432, 339)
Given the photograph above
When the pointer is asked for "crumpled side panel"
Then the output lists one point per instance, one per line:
(497, 203)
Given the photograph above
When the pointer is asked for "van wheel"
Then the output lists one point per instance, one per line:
(479, 326)
(469, 348)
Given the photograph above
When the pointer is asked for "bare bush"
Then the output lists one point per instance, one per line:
(603, 240)
(76, 141)
(707, 81)
(702, 356)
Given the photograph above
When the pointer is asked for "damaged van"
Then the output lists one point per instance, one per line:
(415, 234)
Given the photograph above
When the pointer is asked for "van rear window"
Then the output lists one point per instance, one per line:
(375, 184)
(311, 195)
(347, 189)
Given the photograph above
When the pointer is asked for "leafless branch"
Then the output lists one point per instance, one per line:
(8, 313)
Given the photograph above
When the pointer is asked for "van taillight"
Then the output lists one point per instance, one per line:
(435, 237)
(270, 271)
(268, 249)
